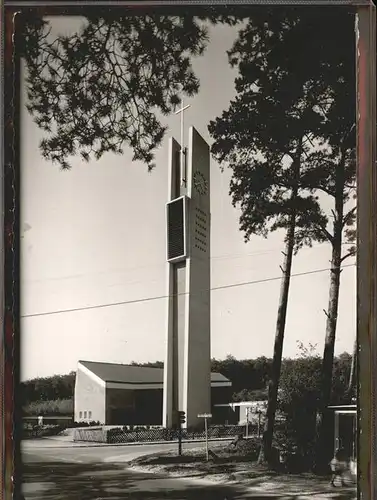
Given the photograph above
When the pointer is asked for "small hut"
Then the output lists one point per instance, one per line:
(345, 432)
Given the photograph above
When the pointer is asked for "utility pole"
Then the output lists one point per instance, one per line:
(247, 420)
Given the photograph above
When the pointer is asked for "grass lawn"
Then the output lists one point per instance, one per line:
(239, 465)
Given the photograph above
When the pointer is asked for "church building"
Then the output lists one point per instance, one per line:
(117, 394)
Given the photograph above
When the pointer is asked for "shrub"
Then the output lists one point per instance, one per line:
(36, 431)
(248, 448)
(92, 423)
(299, 397)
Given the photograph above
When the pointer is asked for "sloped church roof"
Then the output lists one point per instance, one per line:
(133, 374)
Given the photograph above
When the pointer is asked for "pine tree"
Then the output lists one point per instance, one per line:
(286, 136)
(106, 86)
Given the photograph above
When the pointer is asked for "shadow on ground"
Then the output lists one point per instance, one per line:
(73, 481)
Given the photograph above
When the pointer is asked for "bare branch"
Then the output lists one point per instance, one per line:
(348, 216)
(351, 253)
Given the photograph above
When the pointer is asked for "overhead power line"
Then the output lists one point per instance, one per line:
(160, 265)
(161, 297)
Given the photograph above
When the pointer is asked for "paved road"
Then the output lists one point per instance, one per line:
(99, 473)
(89, 473)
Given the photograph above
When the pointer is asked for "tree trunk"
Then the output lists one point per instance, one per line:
(352, 379)
(332, 317)
(324, 449)
(323, 453)
(265, 455)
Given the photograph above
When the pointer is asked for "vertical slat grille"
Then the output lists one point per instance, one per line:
(176, 229)
(201, 229)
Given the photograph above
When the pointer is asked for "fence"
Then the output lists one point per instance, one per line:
(142, 434)
(91, 435)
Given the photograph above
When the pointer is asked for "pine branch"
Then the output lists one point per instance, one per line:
(349, 216)
(351, 253)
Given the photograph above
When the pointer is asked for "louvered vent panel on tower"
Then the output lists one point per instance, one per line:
(201, 222)
(176, 229)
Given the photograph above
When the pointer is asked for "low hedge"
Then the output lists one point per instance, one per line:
(30, 431)
(142, 434)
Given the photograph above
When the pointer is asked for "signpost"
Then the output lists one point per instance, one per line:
(206, 416)
(259, 422)
(247, 420)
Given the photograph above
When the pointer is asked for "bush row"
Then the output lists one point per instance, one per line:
(34, 431)
(142, 434)
(52, 407)
(31, 423)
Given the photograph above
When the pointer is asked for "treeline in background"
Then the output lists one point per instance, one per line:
(299, 383)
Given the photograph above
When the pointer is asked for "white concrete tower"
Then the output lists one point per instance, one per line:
(187, 368)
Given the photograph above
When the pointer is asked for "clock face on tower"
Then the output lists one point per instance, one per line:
(200, 183)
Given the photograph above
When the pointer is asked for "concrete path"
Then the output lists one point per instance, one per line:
(63, 441)
(47, 450)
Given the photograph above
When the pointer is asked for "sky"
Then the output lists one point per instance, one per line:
(95, 235)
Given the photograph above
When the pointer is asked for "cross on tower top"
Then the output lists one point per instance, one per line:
(183, 163)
